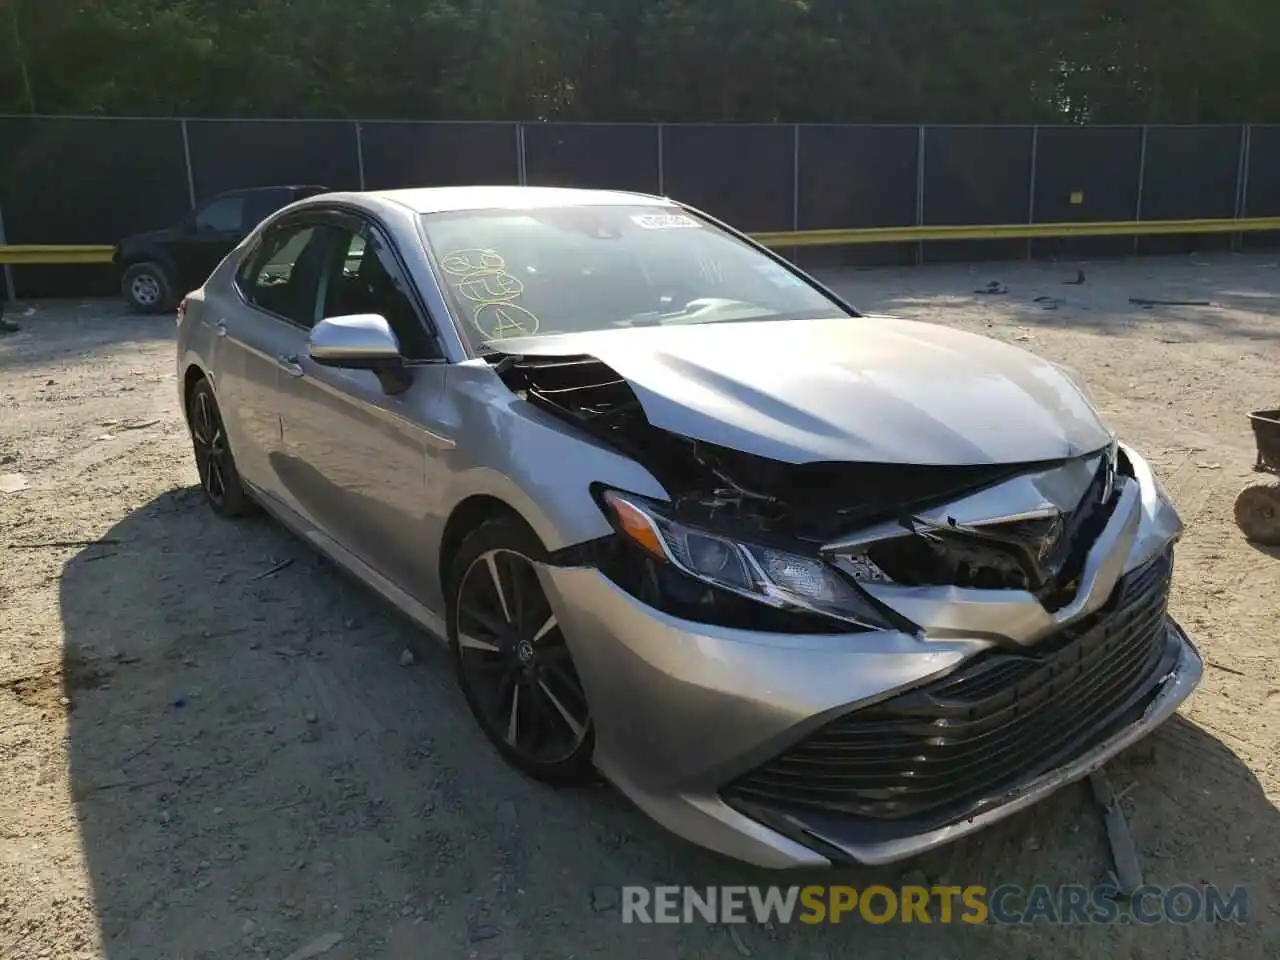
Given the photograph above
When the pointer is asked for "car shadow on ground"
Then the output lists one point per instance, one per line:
(254, 771)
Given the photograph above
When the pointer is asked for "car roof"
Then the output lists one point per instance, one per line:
(451, 199)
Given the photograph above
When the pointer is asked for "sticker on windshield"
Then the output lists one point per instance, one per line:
(664, 221)
(779, 275)
(480, 277)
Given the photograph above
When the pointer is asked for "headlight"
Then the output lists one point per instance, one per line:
(765, 574)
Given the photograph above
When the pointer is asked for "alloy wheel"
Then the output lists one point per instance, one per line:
(515, 662)
(210, 447)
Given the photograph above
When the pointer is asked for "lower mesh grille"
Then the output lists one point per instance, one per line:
(1002, 717)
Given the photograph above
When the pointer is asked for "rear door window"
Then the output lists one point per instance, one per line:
(282, 276)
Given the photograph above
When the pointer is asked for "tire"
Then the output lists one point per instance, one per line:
(514, 668)
(219, 478)
(148, 288)
(1258, 513)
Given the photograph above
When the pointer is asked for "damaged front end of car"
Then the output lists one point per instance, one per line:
(1046, 582)
(732, 515)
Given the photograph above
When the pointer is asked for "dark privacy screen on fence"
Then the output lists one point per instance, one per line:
(1086, 175)
(1261, 193)
(92, 180)
(1190, 174)
(743, 174)
(607, 156)
(977, 175)
(438, 154)
(89, 181)
(86, 181)
(857, 177)
(226, 154)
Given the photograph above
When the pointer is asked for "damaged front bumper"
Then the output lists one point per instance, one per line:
(682, 709)
(712, 730)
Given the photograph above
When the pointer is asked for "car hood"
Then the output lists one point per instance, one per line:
(872, 389)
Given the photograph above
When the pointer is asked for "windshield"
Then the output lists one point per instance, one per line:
(514, 273)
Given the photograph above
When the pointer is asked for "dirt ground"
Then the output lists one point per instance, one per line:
(204, 753)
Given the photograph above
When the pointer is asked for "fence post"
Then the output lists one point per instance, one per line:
(1142, 177)
(186, 156)
(8, 270)
(520, 174)
(662, 172)
(360, 153)
(920, 151)
(795, 186)
(1031, 192)
(1242, 182)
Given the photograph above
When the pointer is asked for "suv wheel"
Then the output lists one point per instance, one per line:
(147, 288)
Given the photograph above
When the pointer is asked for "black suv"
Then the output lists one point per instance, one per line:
(159, 267)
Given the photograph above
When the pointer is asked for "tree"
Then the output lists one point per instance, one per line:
(1179, 61)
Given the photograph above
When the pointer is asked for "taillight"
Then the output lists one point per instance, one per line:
(182, 310)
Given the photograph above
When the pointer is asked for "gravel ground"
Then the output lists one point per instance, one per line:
(204, 753)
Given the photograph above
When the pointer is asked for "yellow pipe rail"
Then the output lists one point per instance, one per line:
(85, 253)
(1012, 231)
(42, 253)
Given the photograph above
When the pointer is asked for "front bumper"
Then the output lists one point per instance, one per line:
(682, 710)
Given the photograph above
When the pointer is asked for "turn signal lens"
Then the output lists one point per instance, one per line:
(636, 525)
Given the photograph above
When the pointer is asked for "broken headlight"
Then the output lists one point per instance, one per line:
(777, 578)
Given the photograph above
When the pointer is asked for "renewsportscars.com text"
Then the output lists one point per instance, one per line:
(1067, 904)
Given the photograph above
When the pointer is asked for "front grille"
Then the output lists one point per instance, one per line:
(1002, 717)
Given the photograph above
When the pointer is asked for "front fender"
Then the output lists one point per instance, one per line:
(540, 465)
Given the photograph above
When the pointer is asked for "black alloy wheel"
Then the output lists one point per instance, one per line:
(514, 666)
(217, 469)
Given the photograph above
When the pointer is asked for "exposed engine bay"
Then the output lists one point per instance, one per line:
(735, 491)
(813, 504)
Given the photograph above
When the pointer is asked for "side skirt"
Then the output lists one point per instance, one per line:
(422, 616)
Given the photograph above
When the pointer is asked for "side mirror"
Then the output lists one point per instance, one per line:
(362, 341)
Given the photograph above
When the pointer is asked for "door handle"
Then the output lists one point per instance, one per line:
(220, 328)
(290, 363)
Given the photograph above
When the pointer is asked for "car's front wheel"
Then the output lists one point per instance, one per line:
(514, 667)
(217, 468)
(147, 287)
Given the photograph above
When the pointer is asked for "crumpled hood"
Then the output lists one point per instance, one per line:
(873, 389)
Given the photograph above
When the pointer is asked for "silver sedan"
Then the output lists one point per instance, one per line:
(808, 586)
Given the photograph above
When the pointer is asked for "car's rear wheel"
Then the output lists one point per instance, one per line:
(514, 667)
(147, 288)
(217, 468)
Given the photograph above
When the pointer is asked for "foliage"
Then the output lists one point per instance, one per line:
(903, 61)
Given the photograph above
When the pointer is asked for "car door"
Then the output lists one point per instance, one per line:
(359, 459)
(214, 231)
(260, 324)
